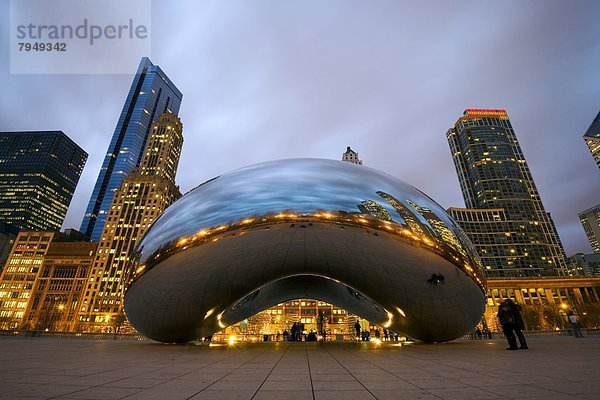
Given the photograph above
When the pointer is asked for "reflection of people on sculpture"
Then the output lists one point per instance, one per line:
(436, 279)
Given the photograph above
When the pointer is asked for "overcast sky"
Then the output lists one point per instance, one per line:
(266, 80)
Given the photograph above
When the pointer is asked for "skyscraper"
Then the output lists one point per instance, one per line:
(494, 175)
(151, 94)
(592, 139)
(590, 219)
(39, 171)
(142, 196)
(351, 156)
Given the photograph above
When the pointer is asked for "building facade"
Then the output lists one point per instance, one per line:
(546, 302)
(56, 297)
(580, 264)
(494, 175)
(151, 94)
(275, 321)
(143, 195)
(590, 220)
(39, 171)
(592, 139)
(351, 156)
(19, 276)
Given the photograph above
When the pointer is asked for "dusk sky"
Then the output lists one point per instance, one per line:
(266, 80)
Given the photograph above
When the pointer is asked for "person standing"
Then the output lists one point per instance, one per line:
(519, 324)
(507, 320)
(575, 324)
(357, 328)
(294, 331)
(321, 325)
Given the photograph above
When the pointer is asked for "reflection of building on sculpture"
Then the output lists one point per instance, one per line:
(338, 323)
(273, 232)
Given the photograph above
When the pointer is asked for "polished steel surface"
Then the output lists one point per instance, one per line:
(334, 231)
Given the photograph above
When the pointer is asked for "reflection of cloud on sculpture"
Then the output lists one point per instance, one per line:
(335, 231)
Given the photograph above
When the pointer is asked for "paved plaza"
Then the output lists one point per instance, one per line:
(48, 368)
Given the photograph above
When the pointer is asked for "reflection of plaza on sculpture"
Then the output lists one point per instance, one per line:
(304, 228)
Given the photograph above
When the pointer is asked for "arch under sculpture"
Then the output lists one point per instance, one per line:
(304, 228)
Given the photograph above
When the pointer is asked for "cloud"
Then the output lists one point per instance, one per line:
(268, 80)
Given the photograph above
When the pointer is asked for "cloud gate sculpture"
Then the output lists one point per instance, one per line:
(304, 228)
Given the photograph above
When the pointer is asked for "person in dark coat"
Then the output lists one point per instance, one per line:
(357, 327)
(507, 320)
(321, 325)
(294, 331)
(519, 324)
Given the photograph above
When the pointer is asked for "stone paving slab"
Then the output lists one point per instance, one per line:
(47, 368)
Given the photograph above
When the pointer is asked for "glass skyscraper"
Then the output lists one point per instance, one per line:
(505, 217)
(590, 220)
(592, 139)
(151, 94)
(39, 171)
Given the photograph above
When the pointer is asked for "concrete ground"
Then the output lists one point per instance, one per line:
(46, 368)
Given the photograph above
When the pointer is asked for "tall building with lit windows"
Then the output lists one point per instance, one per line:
(151, 94)
(351, 156)
(590, 220)
(19, 276)
(142, 196)
(39, 171)
(42, 282)
(592, 139)
(505, 217)
(57, 293)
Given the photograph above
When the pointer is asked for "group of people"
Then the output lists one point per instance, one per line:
(479, 334)
(365, 335)
(297, 331)
(295, 334)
